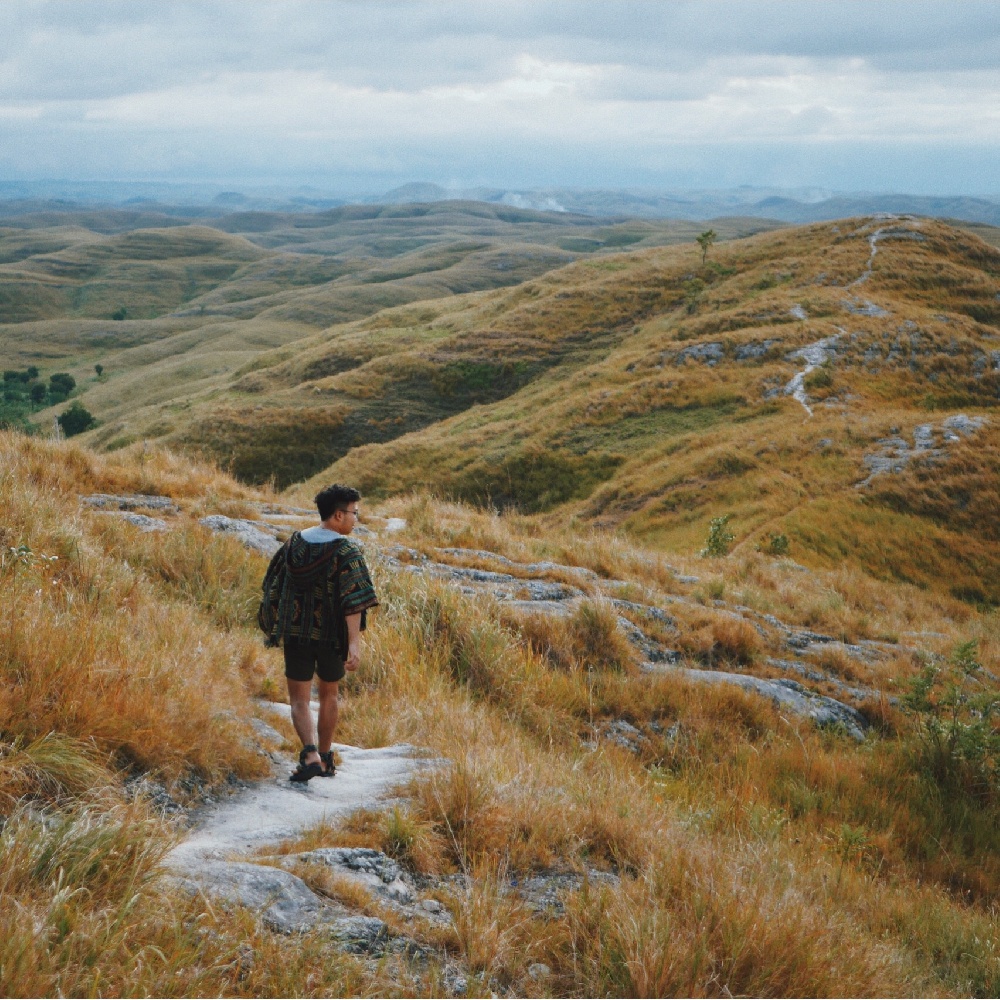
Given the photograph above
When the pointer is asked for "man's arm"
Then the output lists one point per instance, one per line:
(353, 641)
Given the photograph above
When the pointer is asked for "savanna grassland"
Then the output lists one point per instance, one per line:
(584, 409)
(176, 310)
(735, 850)
(655, 395)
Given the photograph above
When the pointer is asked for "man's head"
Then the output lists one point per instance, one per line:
(338, 507)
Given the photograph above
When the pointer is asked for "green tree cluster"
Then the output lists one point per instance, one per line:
(24, 392)
(61, 384)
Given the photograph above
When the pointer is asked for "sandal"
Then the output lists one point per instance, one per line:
(304, 772)
(329, 766)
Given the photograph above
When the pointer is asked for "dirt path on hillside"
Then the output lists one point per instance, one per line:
(814, 355)
(269, 811)
(230, 852)
(274, 809)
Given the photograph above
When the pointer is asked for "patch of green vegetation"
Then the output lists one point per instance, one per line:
(956, 399)
(532, 480)
(280, 445)
(481, 381)
(819, 378)
(581, 245)
(776, 545)
(720, 538)
(621, 239)
(693, 291)
(728, 464)
(637, 432)
(75, 419)
(330, 364)
(24, 393)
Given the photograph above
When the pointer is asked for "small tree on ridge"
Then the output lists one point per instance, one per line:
(705, 241)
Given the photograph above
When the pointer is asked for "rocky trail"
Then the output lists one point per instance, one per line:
(814, 355)
(802, 685)
(225, 852)
(531, 593)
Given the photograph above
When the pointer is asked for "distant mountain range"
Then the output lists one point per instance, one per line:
(205, 201)
(798, 205)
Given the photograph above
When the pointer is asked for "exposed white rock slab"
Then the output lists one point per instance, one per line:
(710, 354)
(864, 307)
(284, 902)
(273, 810)
(895, 453)
(379, 874)
(142, 521)
(130, 501)
(814, 355)
(267, 812)
(253, 534)
(538, 567)
(786, 694)
(754, 349)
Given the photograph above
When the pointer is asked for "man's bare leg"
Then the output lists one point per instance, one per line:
(299, 693)
(329, 713)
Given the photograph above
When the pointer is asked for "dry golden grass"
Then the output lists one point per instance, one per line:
(91, 647)
(730, 763)
(736, 851)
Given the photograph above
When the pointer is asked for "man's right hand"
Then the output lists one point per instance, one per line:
(353, 660)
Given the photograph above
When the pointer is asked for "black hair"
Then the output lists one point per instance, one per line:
(333, 498)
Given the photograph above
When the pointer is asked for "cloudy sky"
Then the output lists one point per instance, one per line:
(357, 97)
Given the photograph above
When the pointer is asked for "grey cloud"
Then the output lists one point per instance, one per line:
(78, 66)
(99, 49)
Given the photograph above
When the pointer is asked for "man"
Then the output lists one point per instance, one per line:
(317, 592)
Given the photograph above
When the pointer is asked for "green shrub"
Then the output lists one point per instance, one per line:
(61, 383)
(720, 539)
(956, 741)
(819, 378)
(777, 545)
(76, 419)
(693, 290)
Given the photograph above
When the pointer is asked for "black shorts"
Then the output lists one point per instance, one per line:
(301, 662)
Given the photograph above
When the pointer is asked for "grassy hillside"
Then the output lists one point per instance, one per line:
(171, 313)
(652, 392)
(647, 390)
(732, 850)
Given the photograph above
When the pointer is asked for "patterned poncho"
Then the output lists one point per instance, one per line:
(309, 590)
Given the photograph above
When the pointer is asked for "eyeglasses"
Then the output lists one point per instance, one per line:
(344, 510)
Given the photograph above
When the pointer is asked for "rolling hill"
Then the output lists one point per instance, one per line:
(831, 385)
(834, 384)
(172, 312)
(704, 676)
